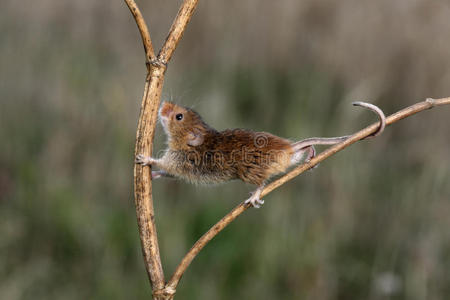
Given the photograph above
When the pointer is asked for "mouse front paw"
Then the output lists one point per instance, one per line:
(144, 160)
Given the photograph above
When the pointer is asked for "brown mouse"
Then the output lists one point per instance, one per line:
(200, 154)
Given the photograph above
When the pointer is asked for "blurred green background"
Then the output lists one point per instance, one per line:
(370, 223)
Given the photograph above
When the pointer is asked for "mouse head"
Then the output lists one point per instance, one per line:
(183, 126)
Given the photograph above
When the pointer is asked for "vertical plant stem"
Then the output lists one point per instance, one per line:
(142, 177)
(156, 68)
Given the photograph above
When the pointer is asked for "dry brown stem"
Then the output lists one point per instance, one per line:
(142, 178)
(154, 80)
(143, 29)
(177, 29)
(238, 210)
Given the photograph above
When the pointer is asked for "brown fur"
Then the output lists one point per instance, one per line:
(251, 156)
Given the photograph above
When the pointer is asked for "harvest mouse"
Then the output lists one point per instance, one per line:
(200, 154)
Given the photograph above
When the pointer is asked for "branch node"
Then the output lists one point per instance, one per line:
(157, 62)
(431, 101)
(167, 291)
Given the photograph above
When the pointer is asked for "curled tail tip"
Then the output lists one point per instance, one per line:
(376, 110)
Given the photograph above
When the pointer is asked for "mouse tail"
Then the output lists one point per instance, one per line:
(303, 144)
(317, 141)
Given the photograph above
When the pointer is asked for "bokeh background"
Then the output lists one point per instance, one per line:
(370, 223)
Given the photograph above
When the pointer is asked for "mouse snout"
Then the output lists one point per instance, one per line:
(166, 110)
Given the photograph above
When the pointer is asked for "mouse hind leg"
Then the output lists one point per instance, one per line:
(305, 154)
(254, 199)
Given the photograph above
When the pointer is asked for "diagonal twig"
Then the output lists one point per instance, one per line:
(177, 29)
(238, 210)
(143, 29)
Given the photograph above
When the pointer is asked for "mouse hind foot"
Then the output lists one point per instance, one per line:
(255, 200)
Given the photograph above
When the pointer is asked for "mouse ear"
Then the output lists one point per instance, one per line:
(195, 138)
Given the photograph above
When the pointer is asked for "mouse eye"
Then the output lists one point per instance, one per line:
(179, 117)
